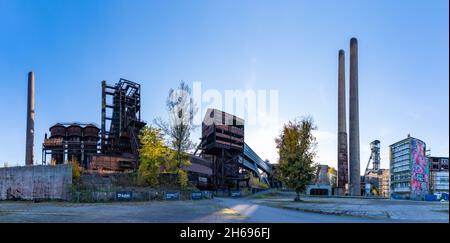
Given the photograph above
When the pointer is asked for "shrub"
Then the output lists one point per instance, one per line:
(182, 178)
(254, 182)
(76, 170)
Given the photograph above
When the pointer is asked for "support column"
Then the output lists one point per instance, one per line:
(103, 132)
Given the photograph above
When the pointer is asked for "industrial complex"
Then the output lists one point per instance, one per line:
(114, 146)
(225, 119)
(409, 174)
(224, 163)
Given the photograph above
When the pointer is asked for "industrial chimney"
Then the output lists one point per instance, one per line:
(29, 154)
(342, 128)
(354, 163)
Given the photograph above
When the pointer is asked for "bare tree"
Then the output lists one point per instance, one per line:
(180, 124)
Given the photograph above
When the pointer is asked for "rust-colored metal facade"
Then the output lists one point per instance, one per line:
(111, 163)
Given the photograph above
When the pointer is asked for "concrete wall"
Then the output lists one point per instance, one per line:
(319, 186)
(36, 182)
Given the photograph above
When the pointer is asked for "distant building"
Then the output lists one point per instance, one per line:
(322, 183)
(438, 163)
(376, 183)
(438, 174)
(409, 169)
(385, 183)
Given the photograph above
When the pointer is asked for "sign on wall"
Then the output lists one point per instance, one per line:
(124, 196)
(196, 195)
(172, 195)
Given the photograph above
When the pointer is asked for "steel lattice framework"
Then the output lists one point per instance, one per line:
(123, 116)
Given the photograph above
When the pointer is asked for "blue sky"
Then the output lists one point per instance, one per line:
(289, 46)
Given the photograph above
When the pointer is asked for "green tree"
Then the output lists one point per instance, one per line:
(181, 110)
(154, 156)
(296, 149)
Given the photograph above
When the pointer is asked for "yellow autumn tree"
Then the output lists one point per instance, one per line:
(154, 156)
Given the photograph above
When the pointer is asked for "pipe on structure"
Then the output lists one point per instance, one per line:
(103, 126)
(342, 127)
(29, 154)
(354, 163)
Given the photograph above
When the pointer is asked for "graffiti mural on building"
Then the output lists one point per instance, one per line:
(419, 177)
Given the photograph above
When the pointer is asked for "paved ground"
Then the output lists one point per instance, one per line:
(257, 213)
(165, 212)
(219, 210)
(398, 210)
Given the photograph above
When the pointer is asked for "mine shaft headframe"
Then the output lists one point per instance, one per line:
(374, 157)
(375, 149)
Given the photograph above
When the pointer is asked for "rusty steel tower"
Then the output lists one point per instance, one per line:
(123, 117)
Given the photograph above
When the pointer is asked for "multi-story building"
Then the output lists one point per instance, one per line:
(438, 174)
(409, 169)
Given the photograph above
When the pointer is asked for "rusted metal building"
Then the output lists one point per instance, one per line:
(200, 172)
(71, 142)
(114, 147)
(232, 159)
(223, 138)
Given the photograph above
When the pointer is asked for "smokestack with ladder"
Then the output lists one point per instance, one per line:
(354, 163)
(29, 154)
